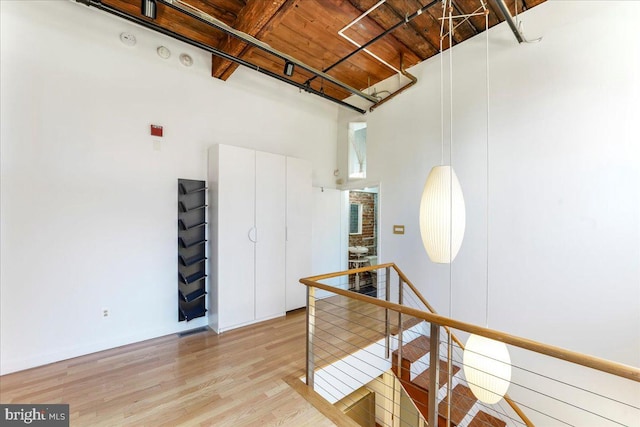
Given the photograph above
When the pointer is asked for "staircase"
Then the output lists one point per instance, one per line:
(348, 333)
(415, 380)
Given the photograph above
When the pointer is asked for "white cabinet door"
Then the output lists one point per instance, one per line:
(270, 225)
(299, 208)
(236, 229)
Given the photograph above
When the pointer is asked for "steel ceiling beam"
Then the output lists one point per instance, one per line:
(150, 25)
(219, 25)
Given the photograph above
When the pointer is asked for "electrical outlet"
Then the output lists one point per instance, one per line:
(105, 312)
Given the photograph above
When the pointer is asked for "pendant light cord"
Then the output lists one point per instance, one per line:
(450, 10)
(449, 341)
(442, 86)
(445, 7)
(486, 30)
(450, 154)
(450, 85)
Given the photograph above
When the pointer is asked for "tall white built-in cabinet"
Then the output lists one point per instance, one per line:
(260, 211)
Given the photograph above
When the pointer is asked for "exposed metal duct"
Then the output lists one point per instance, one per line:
(413, 80)
(512, 23)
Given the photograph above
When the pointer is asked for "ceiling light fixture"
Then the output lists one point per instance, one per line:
(148, 8)
(186, 60)
(163, 52)
(288, 68)
(442, 208)
(486, 362)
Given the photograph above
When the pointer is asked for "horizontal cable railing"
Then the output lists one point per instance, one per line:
(371, 333)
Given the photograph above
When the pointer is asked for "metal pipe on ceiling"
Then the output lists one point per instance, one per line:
(379, 36)
(412, 80)
(99, 5)
(219, 25)
(507, 17)
(502, 6)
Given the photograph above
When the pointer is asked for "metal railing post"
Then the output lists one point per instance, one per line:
(400, 291)
(387, 328)
(434, 368)
(449, 375)
(400, 340)
(311, 323)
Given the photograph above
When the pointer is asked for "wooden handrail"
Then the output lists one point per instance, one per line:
(614, 368)
(422, 299)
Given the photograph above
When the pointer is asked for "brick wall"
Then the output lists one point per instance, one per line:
(368, 201)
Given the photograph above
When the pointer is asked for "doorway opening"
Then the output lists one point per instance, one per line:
(363, 207)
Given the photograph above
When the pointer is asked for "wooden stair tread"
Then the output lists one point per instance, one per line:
(411, 322)
(422, 380)
(462, 399)
(415, 349)
(482, 419)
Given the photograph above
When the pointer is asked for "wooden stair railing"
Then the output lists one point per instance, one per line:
(613, 368)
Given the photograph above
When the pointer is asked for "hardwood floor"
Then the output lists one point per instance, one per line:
(244, 377)
(238, 378)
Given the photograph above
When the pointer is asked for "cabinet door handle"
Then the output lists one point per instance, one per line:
(253, 230)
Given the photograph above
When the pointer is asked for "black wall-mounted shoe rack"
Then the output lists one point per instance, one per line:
(191, 249)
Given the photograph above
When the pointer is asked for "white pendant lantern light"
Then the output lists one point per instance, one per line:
(442, 215)
(442, 210)
(487, 367)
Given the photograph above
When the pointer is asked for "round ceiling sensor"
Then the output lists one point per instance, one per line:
(163, 52)
(128, 39)
(186, 60)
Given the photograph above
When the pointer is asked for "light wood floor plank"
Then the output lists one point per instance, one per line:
(233, 379)
(240, 378)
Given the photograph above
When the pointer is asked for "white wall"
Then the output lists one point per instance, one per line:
(564, 172)
(88, 204)
(327, 233)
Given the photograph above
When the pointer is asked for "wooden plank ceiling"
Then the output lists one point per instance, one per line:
(308, 31)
